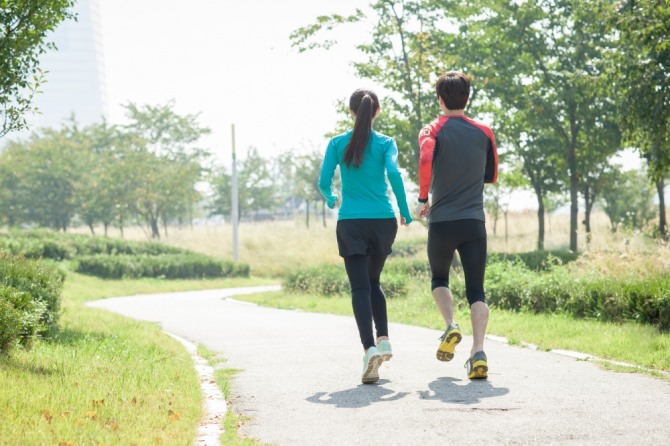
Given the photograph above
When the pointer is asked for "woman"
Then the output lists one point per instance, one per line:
(366, 225)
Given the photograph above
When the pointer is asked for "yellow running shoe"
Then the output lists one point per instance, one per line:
(477, 366)
(450, 339)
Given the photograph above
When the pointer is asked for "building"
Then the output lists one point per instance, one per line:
(76, 75)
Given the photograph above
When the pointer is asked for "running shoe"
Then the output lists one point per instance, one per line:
(450, 339)
(371, 362)
(477, 366)
(384, 348)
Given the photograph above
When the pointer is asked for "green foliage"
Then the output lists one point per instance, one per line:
(169, 266)
(627, 200)
(331, 280)
(511, 285)
(24, 27)
(535, 260)
(58, 246)
(30, 294)
(408, 248)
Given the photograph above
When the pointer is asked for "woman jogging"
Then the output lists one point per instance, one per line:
(366, 224)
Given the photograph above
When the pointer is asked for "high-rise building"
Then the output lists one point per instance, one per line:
(76, 75)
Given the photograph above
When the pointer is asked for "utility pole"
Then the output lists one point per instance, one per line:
(235, 211)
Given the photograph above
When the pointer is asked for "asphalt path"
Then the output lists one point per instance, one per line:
(300, 382)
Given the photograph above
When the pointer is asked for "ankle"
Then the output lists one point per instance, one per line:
(382, 338)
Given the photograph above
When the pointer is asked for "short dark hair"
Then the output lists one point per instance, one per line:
(454, 89)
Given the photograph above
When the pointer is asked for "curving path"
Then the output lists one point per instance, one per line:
(300, 382)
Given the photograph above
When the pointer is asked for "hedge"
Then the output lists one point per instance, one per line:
(61, 246)
(331, 280)
(30, 295)
(168, 266)
(513, 286)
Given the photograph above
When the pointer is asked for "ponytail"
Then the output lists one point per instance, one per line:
(364, 104)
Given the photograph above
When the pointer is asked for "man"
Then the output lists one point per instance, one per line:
(457, 156)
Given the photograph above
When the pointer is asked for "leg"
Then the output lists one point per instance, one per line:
(378, 300)
(357, 271)
(473, 258)
(440, 256)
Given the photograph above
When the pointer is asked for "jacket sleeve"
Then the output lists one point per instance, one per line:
(397, 185)
(491, 170)
(326, 177)
(427, 138)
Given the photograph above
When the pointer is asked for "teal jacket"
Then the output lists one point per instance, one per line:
(364, 188)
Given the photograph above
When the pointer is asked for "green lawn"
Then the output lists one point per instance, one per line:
(104, 379)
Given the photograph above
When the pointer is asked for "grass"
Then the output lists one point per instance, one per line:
(232, 420)
(104, 379)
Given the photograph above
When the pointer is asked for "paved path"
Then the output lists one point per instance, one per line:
(301, 382)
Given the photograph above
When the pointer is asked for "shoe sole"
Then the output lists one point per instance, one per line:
(387, 356)
(479, 370)
(445, 352)
(371, 374)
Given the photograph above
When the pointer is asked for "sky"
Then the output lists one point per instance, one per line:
(232, 62)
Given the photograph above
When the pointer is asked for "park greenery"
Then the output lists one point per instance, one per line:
(566, 84)
(24, 27)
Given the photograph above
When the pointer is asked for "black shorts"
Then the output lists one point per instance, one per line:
(366, 236)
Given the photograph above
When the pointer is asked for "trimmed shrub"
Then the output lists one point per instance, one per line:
(331, 280)
(535, 260)
(39, 280)
(26, 313)
(168, 266)
(408, 248)
(10, 324)
(60, 246)
(513, 286)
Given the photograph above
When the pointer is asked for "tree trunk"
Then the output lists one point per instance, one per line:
(155, 232)
(90, 226)
(540, 218)
(589, 200)
(307, 213)
(506, 231)
(662, 222)
(574, 197)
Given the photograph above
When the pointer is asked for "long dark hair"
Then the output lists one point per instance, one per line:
(364, 104)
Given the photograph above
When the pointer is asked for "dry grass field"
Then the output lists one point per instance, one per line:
(272, 248)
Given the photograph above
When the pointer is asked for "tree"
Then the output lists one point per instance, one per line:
(167, 166)
(627, 199)
(404, 53)
(24, 26)
(44, 174)
(640, 74)
(542, 55)
(256, 184)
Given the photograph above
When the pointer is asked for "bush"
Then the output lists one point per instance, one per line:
(60, 246)
(331, 280)
(41, 281)
(10, 324)
(513, 286)
(408, 248)
(168, 266)
(535, 260)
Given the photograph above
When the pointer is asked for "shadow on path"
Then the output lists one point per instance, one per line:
(447, 390)
(359, 396)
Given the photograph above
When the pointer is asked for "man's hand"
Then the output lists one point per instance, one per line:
(422, 209)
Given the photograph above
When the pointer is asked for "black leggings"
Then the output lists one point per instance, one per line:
(367, 297)
(469, 238)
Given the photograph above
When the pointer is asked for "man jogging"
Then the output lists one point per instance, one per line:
(457, 156)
